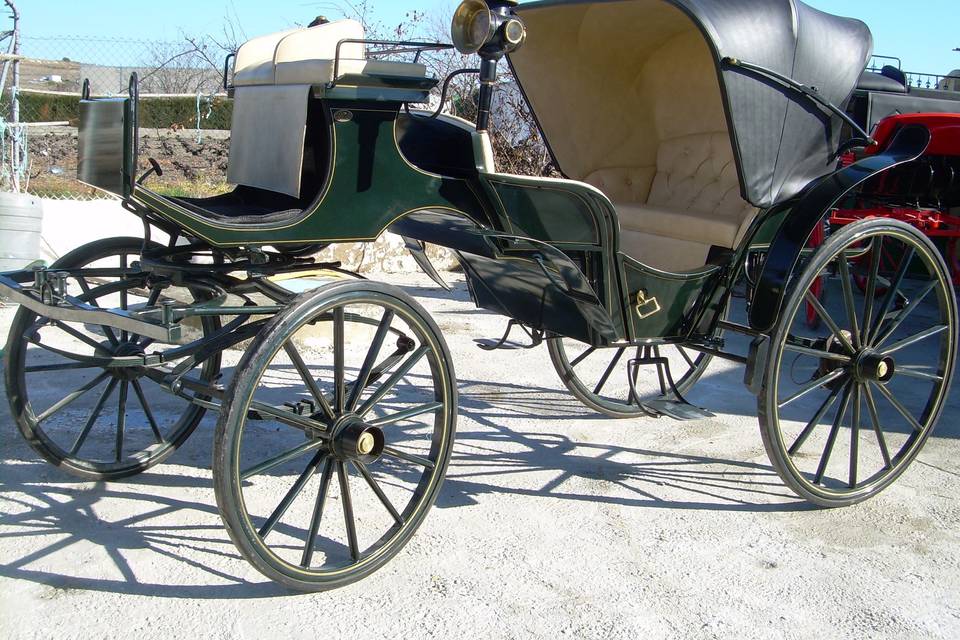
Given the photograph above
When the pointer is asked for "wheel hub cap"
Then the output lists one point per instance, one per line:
(353, 439)
(874, 366)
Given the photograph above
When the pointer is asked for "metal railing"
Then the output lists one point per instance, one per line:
(915, 80)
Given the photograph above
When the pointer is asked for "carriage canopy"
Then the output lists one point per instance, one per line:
(612, 82)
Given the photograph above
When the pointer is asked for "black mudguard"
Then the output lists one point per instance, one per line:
(907, 145)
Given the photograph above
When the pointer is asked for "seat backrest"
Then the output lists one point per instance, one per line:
(696, 172)
(623, 184)
(254, 63)
(257, 59)
(320, 43)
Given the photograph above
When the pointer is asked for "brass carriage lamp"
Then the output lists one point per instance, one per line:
(490, 29)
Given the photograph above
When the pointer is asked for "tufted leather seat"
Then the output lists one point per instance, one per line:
(660, 150)
(695, 193)
(691, 196)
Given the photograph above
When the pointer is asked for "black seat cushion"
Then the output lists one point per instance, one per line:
(870, 81)
(246, 205)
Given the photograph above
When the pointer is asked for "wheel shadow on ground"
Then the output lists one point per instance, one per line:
(66, 514)
(578, 469)
(43, 502)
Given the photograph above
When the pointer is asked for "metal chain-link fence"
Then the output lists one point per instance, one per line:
(184, 114)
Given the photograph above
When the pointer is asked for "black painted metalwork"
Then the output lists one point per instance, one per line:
(784, 253)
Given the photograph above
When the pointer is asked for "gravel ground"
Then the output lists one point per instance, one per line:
(553, 522)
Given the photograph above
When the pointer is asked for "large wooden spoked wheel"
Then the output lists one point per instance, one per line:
(599, 377)
(846, 407)
(335, 435)
(96, 422)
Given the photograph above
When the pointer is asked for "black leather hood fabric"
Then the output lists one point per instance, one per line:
(781, 140)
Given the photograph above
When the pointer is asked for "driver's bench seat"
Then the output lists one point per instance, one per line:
(308, 57)
(279, 138)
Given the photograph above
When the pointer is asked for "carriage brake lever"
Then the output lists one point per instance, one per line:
(537, 337)
(155, 168)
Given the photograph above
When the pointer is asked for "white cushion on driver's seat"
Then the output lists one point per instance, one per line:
(321, 71)
(306, 56)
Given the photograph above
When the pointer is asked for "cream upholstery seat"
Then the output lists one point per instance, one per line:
(692, 195)
(274, 78)
(307, 57)
(321, 71)
(659, 149)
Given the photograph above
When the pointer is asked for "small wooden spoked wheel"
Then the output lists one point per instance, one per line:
(336, 435)
(103, 422)
(847, 405)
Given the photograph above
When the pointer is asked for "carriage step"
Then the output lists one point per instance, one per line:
(683, 411)
(536, 339)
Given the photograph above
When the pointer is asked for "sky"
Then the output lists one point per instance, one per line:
(922, 33)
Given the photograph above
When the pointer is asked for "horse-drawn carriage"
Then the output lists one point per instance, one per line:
(699, 144)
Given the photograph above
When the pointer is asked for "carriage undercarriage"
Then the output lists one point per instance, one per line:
(351, 384)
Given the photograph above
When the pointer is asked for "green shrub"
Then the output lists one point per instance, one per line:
(155, 113)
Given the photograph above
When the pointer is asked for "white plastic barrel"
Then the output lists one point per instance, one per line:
(21, 221)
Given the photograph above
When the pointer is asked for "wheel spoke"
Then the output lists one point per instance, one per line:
(338, 363)
(817, 353)
(921, 375)
(901, 273)
(72, 397)
(876, 247)
(832, 438)
(390, 382)
(292, 494)
(364, 376)
(276, 461)
(284, 416)
(906, 311)
(900, 408)
(837, 331)
(923, 335)
(406, 414)
(409, 457)
(97, 409)
(291, 349)
(121, 419)
(877, 429)
(822, 411)
(67, 366)
(310, 544)
(124, 336)
(683, 354)
(848, 301)
(610, 368)
(375, 487)
(583, 356)
(138, 389)
(855, 437)
(347, 501)
(811, 386)
(111, 336)
(76, 334)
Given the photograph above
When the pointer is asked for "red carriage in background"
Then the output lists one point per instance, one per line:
(925, 194)
(933, 184)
